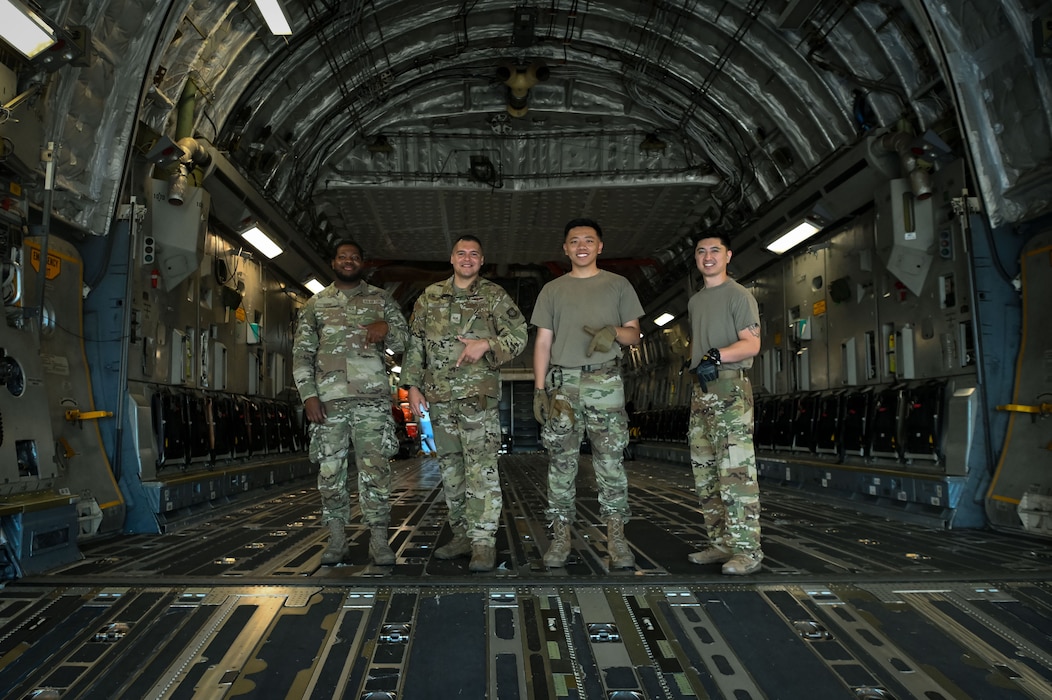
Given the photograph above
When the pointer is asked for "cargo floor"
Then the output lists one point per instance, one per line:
(236, 605)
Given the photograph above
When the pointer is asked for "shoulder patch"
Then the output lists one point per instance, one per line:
(513, 312)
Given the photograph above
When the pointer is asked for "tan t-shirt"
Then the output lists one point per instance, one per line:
(716, 316)
(567, 304)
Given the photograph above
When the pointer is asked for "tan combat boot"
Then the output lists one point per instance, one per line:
(710, 555)
(483, 557)
(743, 563)
(379, 548)
(337, 550)
(560, 547)
(621, 556)
(459, 546)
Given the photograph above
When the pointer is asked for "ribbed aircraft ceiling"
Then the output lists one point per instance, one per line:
(742, 106)
(368, 119)
(406, 123)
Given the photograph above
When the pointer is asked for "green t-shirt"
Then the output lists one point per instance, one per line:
(567, 304)
(716, 315)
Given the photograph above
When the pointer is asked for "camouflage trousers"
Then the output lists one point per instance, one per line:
(467, 438)
(724, 463)
(367, 423)
(597, 398)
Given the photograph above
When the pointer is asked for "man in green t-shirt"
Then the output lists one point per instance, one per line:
(583, 318)
(725, 336)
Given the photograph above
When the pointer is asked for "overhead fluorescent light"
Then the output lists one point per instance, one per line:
(793, 237)
(261, 241)
(275, 17)
(314, 285)
(663, 319)
(24, 29)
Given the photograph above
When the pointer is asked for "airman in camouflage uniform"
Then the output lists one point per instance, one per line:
(462, 330)
(725, 336)
(583, 318)
(338, 366)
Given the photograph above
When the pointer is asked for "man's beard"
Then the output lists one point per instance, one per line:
(348, 277)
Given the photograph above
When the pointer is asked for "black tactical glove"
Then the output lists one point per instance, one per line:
(708, 369)
(542, 406)
(602, 339)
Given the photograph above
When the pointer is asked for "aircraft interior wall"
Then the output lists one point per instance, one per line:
(867, 386)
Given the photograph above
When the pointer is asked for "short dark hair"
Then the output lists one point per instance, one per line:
(590, 223)
(346, 241)
(725, 238)
(468, 237)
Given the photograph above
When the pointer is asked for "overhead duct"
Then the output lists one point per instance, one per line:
(916, 170)
(519, 80)
(194, 153)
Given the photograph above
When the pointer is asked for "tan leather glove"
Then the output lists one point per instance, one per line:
(562, 417)
(602, 339)
(541, 406)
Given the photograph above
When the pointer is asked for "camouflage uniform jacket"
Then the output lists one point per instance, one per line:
(330, 357)
(484, 310)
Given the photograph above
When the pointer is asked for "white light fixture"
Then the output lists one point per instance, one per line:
(261, 241)
(275, 17)
(793, 237)
(663, 319)
(314, 285)
(24, 29)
